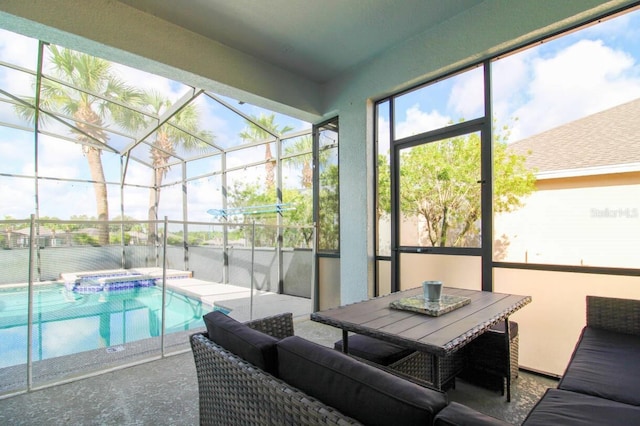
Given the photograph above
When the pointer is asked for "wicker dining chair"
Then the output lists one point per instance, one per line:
(411, 365)
(486, 357)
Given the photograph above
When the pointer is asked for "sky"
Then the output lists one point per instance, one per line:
(537, 89)
(64, 159)
(534, 90)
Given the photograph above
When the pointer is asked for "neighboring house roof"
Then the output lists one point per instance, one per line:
(601, 140)
(43, 231)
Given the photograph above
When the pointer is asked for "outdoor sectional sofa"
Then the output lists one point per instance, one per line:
(260, 373)
(601, 384)
(271, 377)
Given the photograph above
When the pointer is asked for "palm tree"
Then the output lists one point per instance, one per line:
(182, 131)
(89, 102)
(303, 144)
(260, 129)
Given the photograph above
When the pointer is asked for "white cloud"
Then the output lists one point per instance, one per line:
(418, 121)
(138, 173)
(17, 154)
(384, 135)
(146, 81)
(136, 202)
(213, 119)
(59, 158)
(204, 194)
(541, 88)
(510, 75)
(580, 80)
(70, 336)
(467, 94)
(17, 198)
(19, 50)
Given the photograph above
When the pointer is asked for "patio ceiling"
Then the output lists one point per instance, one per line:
(317, 40)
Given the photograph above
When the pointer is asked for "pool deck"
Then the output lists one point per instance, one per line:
(239, 300)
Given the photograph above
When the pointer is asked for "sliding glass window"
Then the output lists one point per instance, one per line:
(568, 112)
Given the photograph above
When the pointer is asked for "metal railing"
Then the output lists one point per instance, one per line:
(37, 257)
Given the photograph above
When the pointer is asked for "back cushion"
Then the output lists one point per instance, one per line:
(367, 394)
(251, 345)
(605, 364)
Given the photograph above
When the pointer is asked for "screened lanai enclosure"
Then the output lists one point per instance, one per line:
(132, 205)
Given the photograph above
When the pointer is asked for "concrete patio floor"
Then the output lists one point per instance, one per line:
(165, 391)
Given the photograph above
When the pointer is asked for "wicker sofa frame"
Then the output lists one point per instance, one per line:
(601, 382)
(235, 392)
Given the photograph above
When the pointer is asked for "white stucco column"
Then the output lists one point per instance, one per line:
(356, 200)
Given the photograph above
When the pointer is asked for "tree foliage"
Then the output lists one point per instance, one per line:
(300, 155)
(297, 212)
(440, 185)
(260, 129)
(329, 208)
(95, 96)
(183, 130)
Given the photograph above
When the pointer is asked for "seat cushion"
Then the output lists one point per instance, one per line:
(359, 390)
(374, 350)
(251, 345)
(605, 364)
(560, 407)
(456, 414)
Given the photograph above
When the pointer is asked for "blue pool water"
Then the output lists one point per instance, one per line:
(67, 322)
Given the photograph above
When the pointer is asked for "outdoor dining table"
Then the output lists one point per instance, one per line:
(440, 335)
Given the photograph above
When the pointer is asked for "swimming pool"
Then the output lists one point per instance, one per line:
(67, 322)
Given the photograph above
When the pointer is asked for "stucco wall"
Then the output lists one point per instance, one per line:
(590, 221)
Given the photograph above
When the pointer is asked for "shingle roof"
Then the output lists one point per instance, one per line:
(610, 137)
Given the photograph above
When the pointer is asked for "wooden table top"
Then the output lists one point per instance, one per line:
(440, 335)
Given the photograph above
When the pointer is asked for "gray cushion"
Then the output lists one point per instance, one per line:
(559, 407)
(605, 364)
(456, 414)
(374, 350)
(369, 395)
(251, 345)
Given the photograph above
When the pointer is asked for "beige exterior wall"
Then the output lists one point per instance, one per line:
(329, 282)
(590, 221)
(453, 271)
(550, 325)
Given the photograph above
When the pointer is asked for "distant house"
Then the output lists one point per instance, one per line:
(137, 237)
(46, 237)
(586, 210)
(19, 238)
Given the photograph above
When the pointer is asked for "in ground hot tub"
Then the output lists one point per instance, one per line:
(94, 282)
